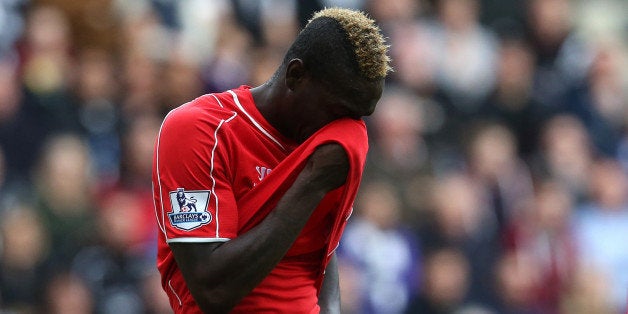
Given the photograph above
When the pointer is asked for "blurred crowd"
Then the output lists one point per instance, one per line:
(496, 181)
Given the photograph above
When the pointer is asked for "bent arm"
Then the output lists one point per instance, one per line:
(219, 275)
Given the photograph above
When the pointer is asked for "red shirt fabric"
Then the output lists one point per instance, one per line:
(219, 168)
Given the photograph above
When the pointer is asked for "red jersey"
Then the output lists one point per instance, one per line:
(211, 157)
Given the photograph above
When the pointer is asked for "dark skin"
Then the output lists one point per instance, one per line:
(220, 274)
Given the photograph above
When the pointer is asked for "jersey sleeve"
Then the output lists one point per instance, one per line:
(194, 201)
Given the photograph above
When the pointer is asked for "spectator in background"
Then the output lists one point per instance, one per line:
(502, 179)
(66, 293)
(562, 58)
(200, 25)
(540, 248)
(181, 80)
(141, 94)
(138, 141)
(11, 25)
(600, 226)
(19, 135)
(565, 154)
(462, 219)
(10, 94)
(91, 24)
(47, 71)
(589, 293)
(115, 267)
(264, 63)
(516, 279)
(133, 189)
(148, 44)
(98, 111)
(25, 249)
(511, 101)
(229, 65)
(467, 52)
(35, 91)
(497, 13)
(445, 284)
(601, 101)
(399, 150)
(414, 56)
(64, 195)
(395, 11)
(372, 238)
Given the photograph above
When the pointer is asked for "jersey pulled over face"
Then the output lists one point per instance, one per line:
(319, 103)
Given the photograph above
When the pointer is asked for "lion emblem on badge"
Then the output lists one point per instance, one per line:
(185, 204)
(189, 209)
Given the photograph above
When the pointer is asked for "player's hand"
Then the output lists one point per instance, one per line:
(327, 168)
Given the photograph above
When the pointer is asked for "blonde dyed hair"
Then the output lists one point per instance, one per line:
(365, 36)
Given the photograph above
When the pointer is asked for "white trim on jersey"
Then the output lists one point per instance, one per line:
(175, 293)
(350, 213)
(219, 103)
(161, 223)
(161, 227)
(237, 102)
(196, 240)
(211, 170)
(334, 250)
(211, 175)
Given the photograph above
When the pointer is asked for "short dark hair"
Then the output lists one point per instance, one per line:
(338, 43)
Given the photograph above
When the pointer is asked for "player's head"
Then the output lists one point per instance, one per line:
(342, 55)
(337, 44)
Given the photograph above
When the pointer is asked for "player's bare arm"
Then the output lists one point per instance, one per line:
(219, 275)
(329, 296)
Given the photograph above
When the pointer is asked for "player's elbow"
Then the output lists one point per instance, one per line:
(328, 167)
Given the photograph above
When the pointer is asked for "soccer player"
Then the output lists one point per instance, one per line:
(253, 186)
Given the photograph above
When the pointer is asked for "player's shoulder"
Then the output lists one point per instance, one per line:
(206, 109)
(213, 104)
(203, 114)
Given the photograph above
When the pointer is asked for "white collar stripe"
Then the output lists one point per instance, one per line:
(219, 103)
(237, 102)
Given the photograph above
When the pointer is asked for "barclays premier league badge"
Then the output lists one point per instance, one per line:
(189, 209)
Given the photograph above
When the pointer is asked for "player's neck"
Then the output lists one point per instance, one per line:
(269, 101)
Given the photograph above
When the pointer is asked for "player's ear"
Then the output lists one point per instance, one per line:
(295, 72)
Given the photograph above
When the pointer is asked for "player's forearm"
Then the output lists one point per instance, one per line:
(329, 296)
(234, 268)
(237, 266)
(223, 276)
